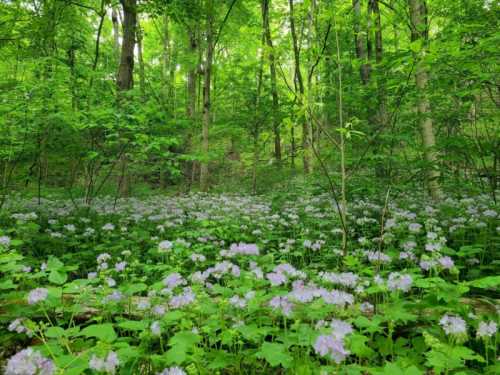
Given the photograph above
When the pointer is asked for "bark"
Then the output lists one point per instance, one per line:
(166, 62)
(256, 129)
(306, 152)
(142, 77)
(125, 79)
(359, 42)
(191, 81)
(379, 52)
(116, 33)
(206, 97)
(419, 32)
(272, 71)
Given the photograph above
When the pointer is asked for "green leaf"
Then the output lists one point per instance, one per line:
(104, 332)
(220, 360)
(359, 347)
(54, 264)
(133, 325)
(185, 338)
(58, 277)
(7, 284)
(275, 354)
(55, 332)
(485, 282)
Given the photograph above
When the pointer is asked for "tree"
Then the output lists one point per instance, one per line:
(306, 151)
(272, 71)
(125, 77)
(420, 40)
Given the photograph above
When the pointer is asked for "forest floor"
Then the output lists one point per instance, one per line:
(230, 284)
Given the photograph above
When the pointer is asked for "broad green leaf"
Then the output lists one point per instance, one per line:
(275, 354)
(104, 332)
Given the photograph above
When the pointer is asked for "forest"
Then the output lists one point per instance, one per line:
(193, 187)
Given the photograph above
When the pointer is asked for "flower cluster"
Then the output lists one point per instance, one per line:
(108, 364)
(37, 295)
(453, 325)
(29, 362)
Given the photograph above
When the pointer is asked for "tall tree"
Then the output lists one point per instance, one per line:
(306, 152)
(420, 38)
(360, 42)
(272, 70)
(207, 80)
(125, 78)
(140, 58)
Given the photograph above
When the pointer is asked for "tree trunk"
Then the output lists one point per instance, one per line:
(125, 78)
(116, 33)
(191, 79)
(419, 32)
(256, 129)
(142, 77)
(272, 71)
(379, 51)
(166, 61)
(359, 42)
(206, 97)
(306, 152)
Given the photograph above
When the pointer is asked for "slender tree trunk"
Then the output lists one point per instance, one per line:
(256, 129)
(343, 174)
(125, 79)
(359, 42)
(191, 79)
(116, 33)
(142, 77)
(306, 152)
(274, 87)
(204, 173)
(419, 32)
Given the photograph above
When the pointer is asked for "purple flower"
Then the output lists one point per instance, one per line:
(17, 326)
(116, 296)
(453, 325)
(446, 262)
(276, 278)
(4, 241)
(414, 227)
(108, 227)
(426, 265)
(378, 257)
(347, 279)
(187, 297)
(198, 257)
(283, 304)
(165, 246)
(172, 371)
(29, 362)
(37, 295)
(156, 328)
(366, 307)
(173, 280)
(337, 297)
(243, 249)
(328, 345)
(340, 329)
(143, 304)
(101, 258)
(238, 302)
(397, 281)
(120, 266)
(487, 329)
(107, 365)
(303, 293)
